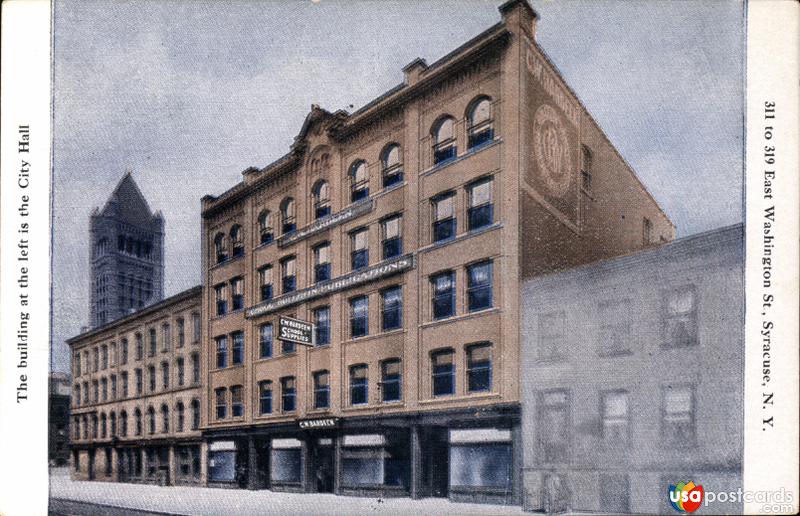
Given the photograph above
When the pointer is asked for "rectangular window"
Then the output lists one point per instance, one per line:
(164, 375)
(153, 343)
(391, 381)
(444, 294)
(286, 462)
(265, 397)
(181, 373)
(139, 382)
(680, 317)
(166, 338)
(237, 351)
(322, 390)
(77, 364)
(288, 347)
(322, 325)
(551, 335)
(237, 294)
(444, 217)
(237, 401)
(104, 389)
(288, 274)
(614, 410)
(392, 308)
(443, 372)
(288, 394)
(265, 283)
(359, 316)
(222, 351)
(196, 328)
(123, 352)
(554, 436)
(124, 381)
(104, 354)
(479, 368)
(195, 368)
(139, 346)
(113, 387)
(221, 299)
(677, 409)
(221, 398)
(614, 334)
(359, 390)
(112, 354)
(265, 341)
(151, 377)
(479, 286)
(322, 262)
(485, 464)
(359, 245)
(480, 212)
(392, 228)
(181, 332)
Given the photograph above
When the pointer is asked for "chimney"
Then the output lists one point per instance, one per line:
(519, 13)
(413, 71)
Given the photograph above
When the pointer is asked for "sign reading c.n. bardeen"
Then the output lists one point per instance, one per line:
(295, 330)
(383, 269)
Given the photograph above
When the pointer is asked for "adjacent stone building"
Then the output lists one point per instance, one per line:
(136, 396)
(127, 255)
(404, 231)
(634, 378)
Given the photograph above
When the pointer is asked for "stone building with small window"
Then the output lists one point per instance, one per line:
(136, 394)
(404, 231)
(634, 378)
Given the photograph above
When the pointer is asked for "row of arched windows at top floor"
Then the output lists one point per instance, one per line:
(480, 131)
(107, 426)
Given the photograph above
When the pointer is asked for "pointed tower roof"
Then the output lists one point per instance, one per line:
(127, 202)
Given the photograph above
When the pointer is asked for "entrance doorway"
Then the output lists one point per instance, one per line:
(323, 465)
(90, 465)
(436, 465)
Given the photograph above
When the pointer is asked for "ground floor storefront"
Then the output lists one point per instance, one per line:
(164, 462)
(467, 455)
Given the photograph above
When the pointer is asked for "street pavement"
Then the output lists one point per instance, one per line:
(184, 500)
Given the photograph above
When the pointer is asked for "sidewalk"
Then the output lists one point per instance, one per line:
(227, 502)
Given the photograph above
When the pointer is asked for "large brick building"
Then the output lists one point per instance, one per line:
(136, 395)
(404, 232)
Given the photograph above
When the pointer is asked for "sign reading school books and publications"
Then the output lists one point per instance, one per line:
(295, 330)
(381, 270)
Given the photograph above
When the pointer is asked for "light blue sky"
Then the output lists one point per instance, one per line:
(188, 94)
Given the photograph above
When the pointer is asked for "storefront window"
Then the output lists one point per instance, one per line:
(375, 459)
(287, 461)
(481, 458)
(222, 461)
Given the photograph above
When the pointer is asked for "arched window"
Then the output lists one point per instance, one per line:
(113, 422)
(288, 216)
(164, 419)
(85, 425)
(322, 199)
(237, 241)
(480, 129)
(137, 416)
(123, 424)
(391, 165)
(151, 420)
(94, 426)
(103, 425)
(221, 247)
(444, 140)
(179, 417)
(265, 227)
(195, 414)
(359, 181)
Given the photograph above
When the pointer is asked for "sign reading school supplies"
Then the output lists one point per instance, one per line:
(295, 330)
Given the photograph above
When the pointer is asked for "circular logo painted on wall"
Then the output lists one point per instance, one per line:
(551, 148)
